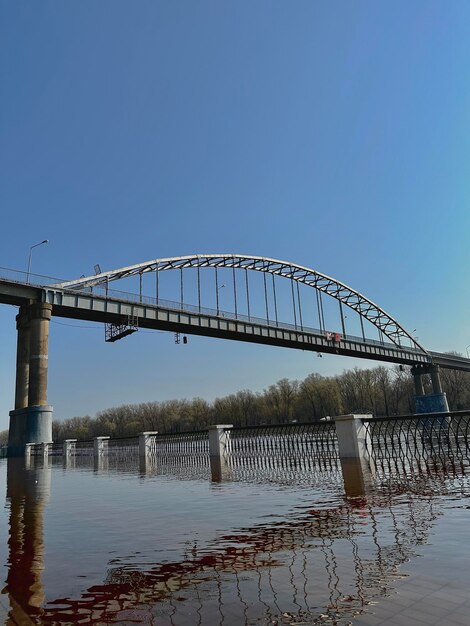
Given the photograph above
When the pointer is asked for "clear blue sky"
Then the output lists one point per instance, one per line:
(332, 134)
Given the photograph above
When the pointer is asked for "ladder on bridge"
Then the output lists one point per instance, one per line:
(114, 332)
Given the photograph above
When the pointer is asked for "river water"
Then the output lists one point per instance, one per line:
(174, 547)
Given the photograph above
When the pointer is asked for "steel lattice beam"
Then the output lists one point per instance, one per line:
(312, 278)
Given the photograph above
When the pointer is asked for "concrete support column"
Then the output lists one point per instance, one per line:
(219, 450)
(418, 382)
(435, 402)
(29, 425)
(45, 447)
(147, 461)
(31, 420)
(22, 359)
(40, 315)
(354, 444)
(436, 379)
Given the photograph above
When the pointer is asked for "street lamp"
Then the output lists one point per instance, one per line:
(30, 255)
(217, 296)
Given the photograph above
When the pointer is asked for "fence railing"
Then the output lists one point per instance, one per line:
(440, 436)
(83, 448)
(306, 440)
(287, 449)
(274, 446)
(188, 444)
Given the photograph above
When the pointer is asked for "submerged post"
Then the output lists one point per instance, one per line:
(354, 445)
(145, 451)
(219, 449)
(100, 446)
(68, 456)
(100, 456)
(68, 446)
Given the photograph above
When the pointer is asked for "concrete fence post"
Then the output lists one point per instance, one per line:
(219, 440)
(219, 450)
(100, 446)
(144, 442)
(146, 462)
(354, 444)
(68, 456)
(27, 450)
(353, 436)
(68, 447)
(100, 453)
(45, 446)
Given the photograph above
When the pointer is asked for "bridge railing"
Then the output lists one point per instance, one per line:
(135, 298)
(27, 278)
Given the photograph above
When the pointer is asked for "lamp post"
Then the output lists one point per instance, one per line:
(30, 255)
(218, 288)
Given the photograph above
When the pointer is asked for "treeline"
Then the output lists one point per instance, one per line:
(380, 391)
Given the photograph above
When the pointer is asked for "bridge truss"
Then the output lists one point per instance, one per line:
(322, 284)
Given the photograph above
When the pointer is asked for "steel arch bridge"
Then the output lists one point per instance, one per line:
(91, 298)
(389, 330)
(254, 282)
(297, 274)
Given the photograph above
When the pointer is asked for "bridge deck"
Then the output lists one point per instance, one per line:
(116, 307)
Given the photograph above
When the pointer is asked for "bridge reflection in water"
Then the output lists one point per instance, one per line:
(325, 561)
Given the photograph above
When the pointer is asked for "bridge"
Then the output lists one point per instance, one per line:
(239, 297)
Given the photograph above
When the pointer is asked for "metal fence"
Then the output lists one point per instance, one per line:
(292, 450)
(123, 448)
(190, 445)
(83, 448)
(313, 441)
(56, 449)
(440, 438)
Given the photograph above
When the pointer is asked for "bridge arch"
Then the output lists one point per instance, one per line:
(322, 283)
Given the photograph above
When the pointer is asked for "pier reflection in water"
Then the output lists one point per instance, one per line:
(28, 490)
(94, 544)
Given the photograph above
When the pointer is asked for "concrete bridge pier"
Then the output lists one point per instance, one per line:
(31, 419)
(434, 402)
